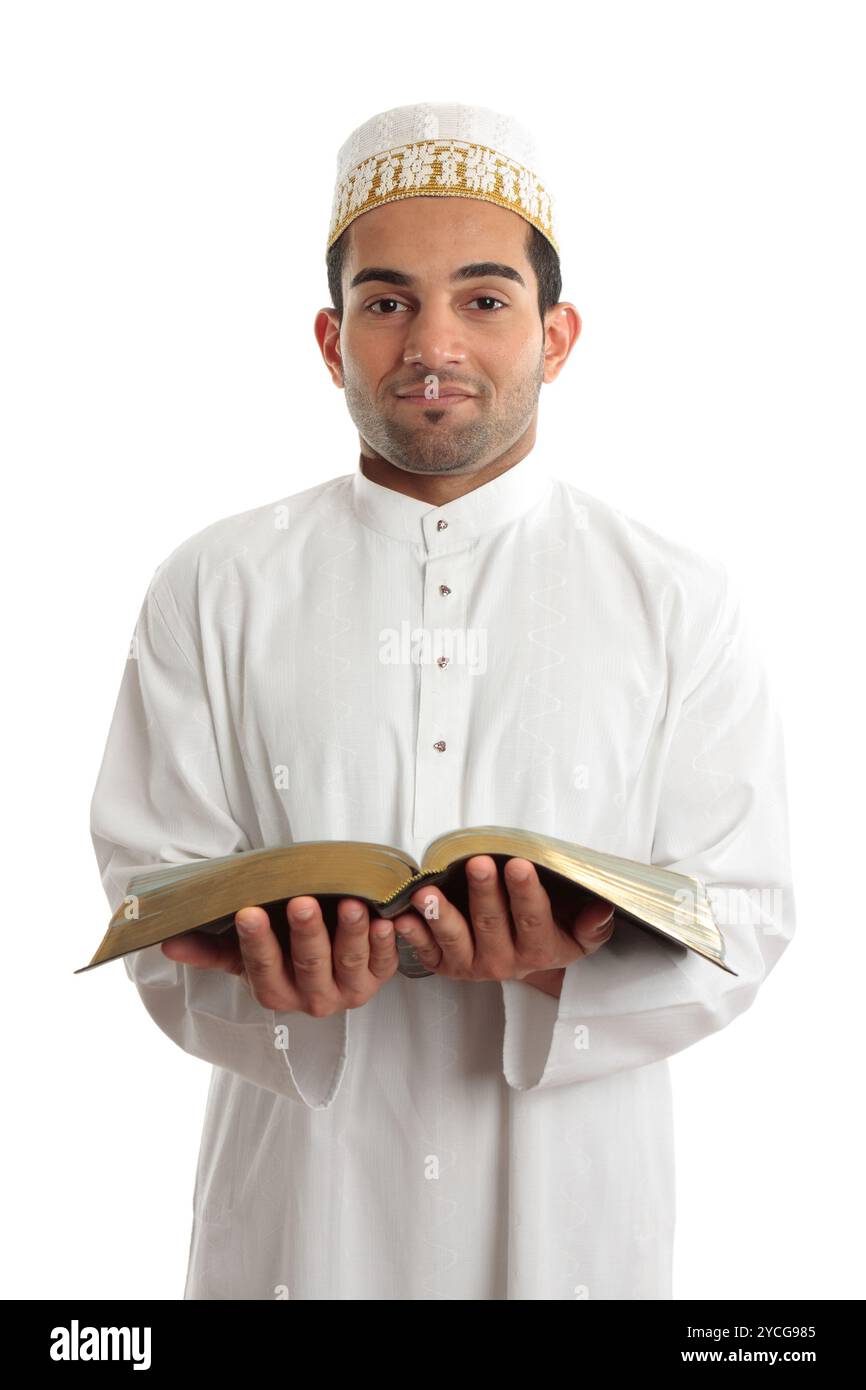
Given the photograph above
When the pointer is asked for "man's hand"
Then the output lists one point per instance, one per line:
(514, 932)
(312, 977)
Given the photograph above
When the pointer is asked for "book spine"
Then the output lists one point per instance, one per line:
(396, 901)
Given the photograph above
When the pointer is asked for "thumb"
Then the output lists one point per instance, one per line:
(594, 925)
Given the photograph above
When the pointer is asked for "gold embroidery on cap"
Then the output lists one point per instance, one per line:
(431, 168)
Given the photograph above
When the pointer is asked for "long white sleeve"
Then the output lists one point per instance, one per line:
(161, 797)
(721, 817)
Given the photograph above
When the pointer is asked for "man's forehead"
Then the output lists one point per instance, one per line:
(450, 235)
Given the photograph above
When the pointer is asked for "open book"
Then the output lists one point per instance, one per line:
(168, 899)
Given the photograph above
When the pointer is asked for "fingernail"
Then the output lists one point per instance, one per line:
(352, 912)
(302, 914)
(245, 926)
(602, 926)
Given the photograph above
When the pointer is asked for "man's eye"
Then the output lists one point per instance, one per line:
(386, 301)
(480, 299)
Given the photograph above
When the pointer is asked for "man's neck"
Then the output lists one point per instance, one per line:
(437, 488)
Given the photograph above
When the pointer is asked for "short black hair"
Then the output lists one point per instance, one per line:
(540, 254)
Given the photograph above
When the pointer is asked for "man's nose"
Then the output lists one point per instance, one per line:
(434, 340)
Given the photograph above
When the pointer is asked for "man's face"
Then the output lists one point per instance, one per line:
(479, 333)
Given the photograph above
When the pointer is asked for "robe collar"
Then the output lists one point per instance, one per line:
(505, 498)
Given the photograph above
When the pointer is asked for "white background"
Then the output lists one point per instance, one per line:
(167, 174)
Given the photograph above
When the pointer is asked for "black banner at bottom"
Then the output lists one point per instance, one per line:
(88, 1336)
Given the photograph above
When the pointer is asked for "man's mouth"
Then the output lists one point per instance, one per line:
(447, 398)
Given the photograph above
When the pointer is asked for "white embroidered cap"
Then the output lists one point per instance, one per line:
(439, 150)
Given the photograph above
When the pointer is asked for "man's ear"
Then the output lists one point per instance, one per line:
(328, 337)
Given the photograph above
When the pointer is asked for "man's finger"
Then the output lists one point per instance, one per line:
(536, 932)
(413, 928)
(384, 959)
(264, 961)
(490, 915)
(593, 926)
(205, 952)
(312, 960)
(448, 929)
(351, 949)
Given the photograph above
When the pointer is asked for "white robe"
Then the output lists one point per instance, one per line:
(448, 1140)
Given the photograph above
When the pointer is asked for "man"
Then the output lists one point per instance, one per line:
(502, 1128)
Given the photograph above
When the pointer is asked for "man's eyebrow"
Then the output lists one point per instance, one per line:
(479, 270)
